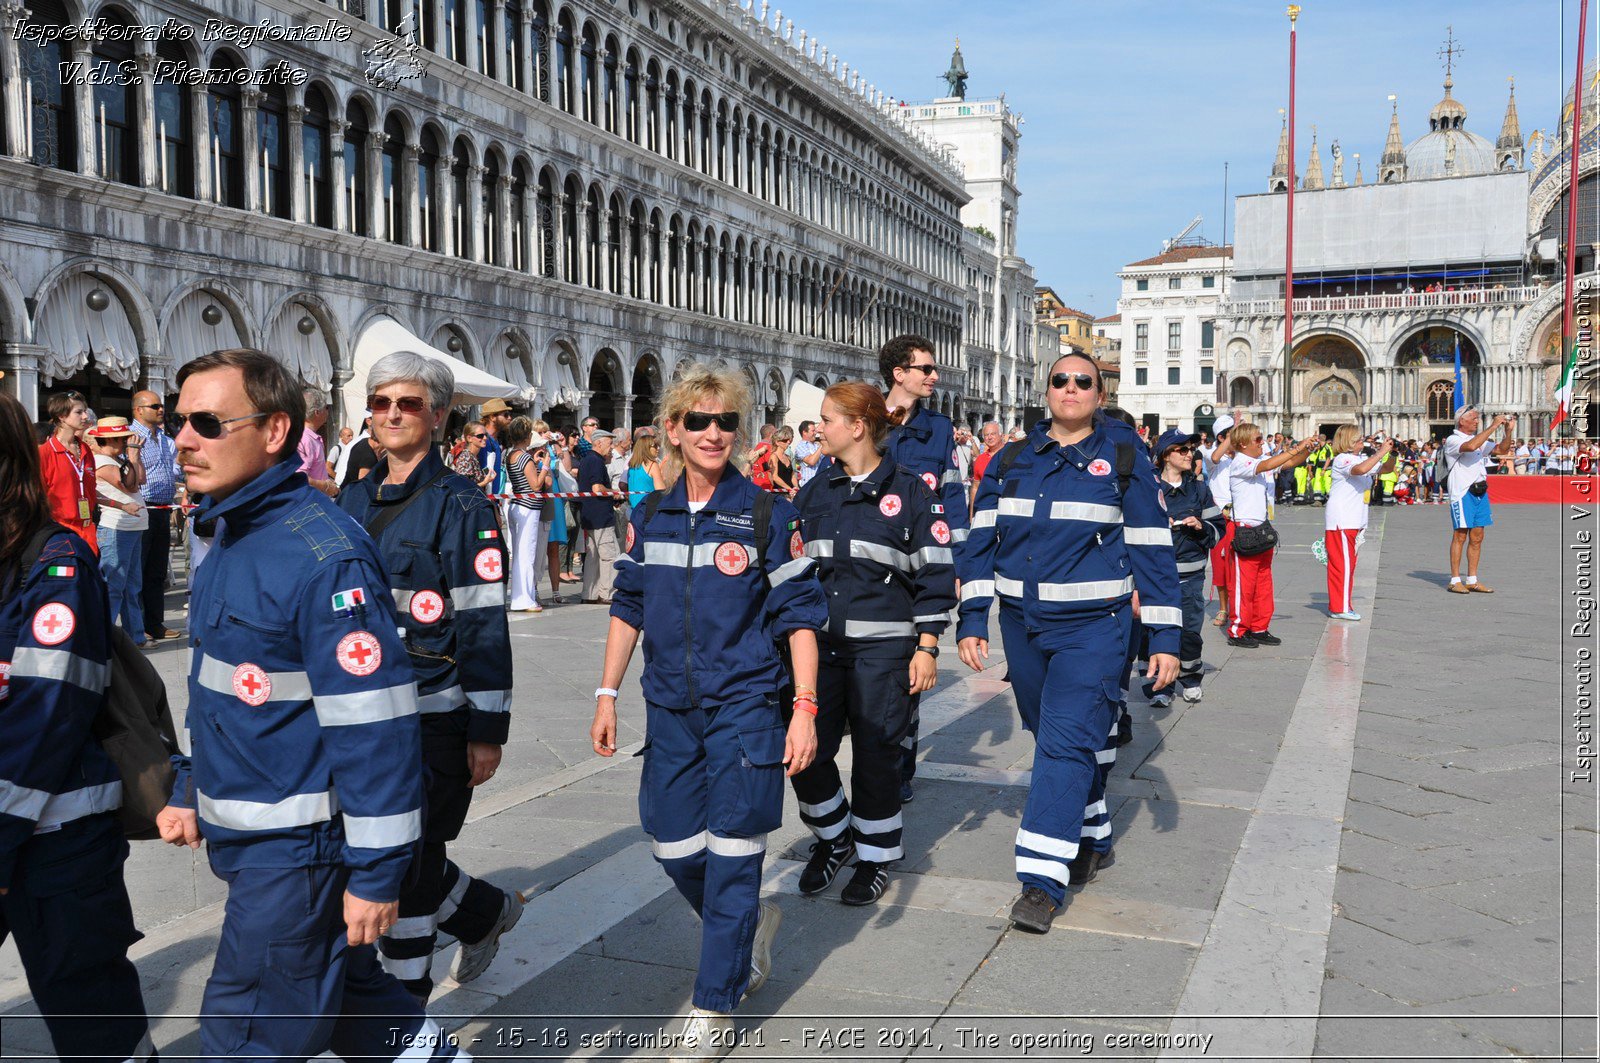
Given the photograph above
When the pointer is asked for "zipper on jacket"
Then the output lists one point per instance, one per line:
(688, 624)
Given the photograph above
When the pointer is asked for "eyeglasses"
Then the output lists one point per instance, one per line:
(479, 435)
(1082, 381)
(209, 425)
(408, 404)
(695, 421)
(925, 368)
(153, 406)
(1183, 450)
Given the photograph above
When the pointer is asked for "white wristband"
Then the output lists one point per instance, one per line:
(604, 691)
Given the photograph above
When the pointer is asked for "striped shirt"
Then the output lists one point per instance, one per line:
(161, 473)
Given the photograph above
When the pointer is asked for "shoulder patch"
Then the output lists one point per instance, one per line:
(54, 624)
(58, 546)
(359, 653)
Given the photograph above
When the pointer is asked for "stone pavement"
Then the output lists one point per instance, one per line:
(1355, 847)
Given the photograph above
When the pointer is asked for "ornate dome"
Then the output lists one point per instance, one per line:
(1448, 149)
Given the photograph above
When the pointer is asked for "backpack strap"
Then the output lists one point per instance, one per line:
(1008, 457)
(387, 515)
(763, 518)
(652, 502)
(1124, 468)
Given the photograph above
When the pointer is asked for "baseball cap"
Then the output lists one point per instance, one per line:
(1221, 424)
(1173, 437)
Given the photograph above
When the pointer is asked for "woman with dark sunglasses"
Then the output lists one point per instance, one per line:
(714, 573)
(1068, 524)
(1197, 525)
(469, 462)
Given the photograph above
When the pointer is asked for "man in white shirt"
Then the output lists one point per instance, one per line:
(1466, 453)
(807, 451)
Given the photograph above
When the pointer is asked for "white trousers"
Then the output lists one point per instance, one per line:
(524, 557)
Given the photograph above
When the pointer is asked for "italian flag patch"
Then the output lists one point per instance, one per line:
(354, 598)
(489, 534)
(793, 525)
(62, 571)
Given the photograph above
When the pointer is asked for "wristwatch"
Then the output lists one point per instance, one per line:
(931, 651)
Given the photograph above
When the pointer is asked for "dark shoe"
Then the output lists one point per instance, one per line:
(165, 633)
(1246, 641)
(827, 858)
(1266, 638)
(866, 885)
(1033, 911)
(906, 793)
(1087, 864)
(1124, 729)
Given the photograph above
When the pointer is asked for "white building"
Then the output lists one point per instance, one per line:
(1168, 312)
(580, 196)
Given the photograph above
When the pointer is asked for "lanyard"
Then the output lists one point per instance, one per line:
(84, 512)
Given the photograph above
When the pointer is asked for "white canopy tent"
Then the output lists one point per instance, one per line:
(805, 404)
(384, 335)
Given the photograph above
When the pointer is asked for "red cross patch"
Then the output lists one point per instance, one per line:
(628, 548)
(427, 607)
(5, 679)
(1099, 467)
(488, 564)
(1161, 500)
(732, 559)
(252, 684)
(359, 653)
(931, 480)
(54, 624)
(941, 532)
(889, 505)
(797, 546)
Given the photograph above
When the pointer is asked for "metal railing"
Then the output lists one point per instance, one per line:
(1445, 300)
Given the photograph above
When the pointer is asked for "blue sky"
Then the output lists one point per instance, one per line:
(1132, 107)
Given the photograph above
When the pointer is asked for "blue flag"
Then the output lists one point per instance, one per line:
(1461, 388)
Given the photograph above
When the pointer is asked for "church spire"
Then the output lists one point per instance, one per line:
(1359, 179)
(1508, 149)
(1279, 181)
(1392, 167)
(1313, 181)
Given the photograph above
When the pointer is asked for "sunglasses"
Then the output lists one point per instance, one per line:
(479, 435)
(209, 425)
(925, 368)
(153, 406)
(1083, 381)
(408, 404)
(695, 421)
(1183, 450)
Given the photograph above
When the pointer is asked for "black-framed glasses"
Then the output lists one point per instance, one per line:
(479, 435)
(1082, 381)
(209, 425)
(925, 368)
(411, 404)
(1186, 449)
(152, 406)
(696, 421)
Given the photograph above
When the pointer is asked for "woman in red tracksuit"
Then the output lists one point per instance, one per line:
(1250, 583)
(1346, 515)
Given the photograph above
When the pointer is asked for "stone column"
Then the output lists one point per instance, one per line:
(249, 146)
(298, 207)
(525, 62)
(88, 138)
(12, 94)
(374, 164)
(559, 204)
(412, 237)
(200, 142)
(625, 231)
(625, 400)
(472, 217)
(144, 125)
(503, 220)
(582, 214)
(470, 14)
(494, 42)
(583, 401)
(21, 363)
(336, 176)
(445, 211)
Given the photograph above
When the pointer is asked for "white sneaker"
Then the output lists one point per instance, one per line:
(1193, 694)
(1345, 616)
(706, 1035)
(472, 960)
(1161, 699)
(761, 947)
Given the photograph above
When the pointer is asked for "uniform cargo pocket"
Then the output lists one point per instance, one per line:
(646, 803)
(755, 805)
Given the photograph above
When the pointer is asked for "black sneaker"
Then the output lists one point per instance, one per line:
(866, 885)
(1087, 864)
(1246, 641)
(906, 793)
(827, 857)
(1033, 911)
(1124, 728)
(1266, 638)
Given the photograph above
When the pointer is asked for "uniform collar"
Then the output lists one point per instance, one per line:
(875, 481)
(257, 502)
(426, 470)
(729, 496)
(916, 422)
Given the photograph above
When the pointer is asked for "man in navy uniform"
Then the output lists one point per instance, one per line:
(302, 765)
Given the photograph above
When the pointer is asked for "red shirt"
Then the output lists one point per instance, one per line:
(981, 462)
(69, 481)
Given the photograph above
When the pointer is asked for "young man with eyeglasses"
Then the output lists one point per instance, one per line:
(441, 540)
(302, 742)
(161, 489)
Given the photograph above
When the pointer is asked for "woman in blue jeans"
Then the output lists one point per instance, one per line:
(123, 519)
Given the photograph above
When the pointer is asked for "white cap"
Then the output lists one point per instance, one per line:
(1221, 425)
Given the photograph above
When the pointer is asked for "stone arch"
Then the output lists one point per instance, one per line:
(515, 349)
(186, 332)
(456, 340)
(648, 385)
(558, 379)
(315, 353)
(607, 387)
(15, 324)
(132, 324)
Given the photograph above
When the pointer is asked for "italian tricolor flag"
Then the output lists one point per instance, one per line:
(1564, 388)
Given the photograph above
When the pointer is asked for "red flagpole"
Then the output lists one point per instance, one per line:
(1568, 316)
(1288, 250)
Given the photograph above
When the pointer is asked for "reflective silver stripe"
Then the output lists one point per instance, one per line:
(879, 629)
(1027, 865)
(185, 743)
(1043, 843)
(958, 535)
(490, 700)
(1096, 809)
(75, 804)
(1161, 614)
(1015, 507)
(736, 846)
(452, 901)
(427, 1042)
(1011, 588)
(1101, 831)
(1190, 567)
(932, 555)
(478, 596)
(819, 548)
(402, 599)
(409, 969)
(789, 570)
(677, 554)
(951, 476)
(1147, 536)
(1106, 756)
(383, 832)
(678, 850)
(883, 555)
(1086, 511)
(447, 700)
(875, 854)
(63, 666)
(932, 618)
(1189, 666)
(1210, 513)
(876, 826)
(819, 810)
(21, 801)
(977, 588)
(984, 518)
(286, 686)
(366, 706)
(413, 926)
(1082, 592)
(831, 831)
(301, 810)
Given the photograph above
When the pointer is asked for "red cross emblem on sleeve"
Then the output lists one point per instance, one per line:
(732, 559)
(359, 653)
(427, 607)
(931, 480)
(54, 624)
(797, 546)
(488, 565)
(252, 684)
(941, 532)
(5, 679)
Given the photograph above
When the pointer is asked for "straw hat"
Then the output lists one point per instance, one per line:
(110, 428)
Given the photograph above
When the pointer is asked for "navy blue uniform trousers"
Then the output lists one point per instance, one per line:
(1068, 685)
(712, 788)
(287, 985)
(68, 910)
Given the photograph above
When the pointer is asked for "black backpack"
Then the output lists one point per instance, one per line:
(134, 726)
